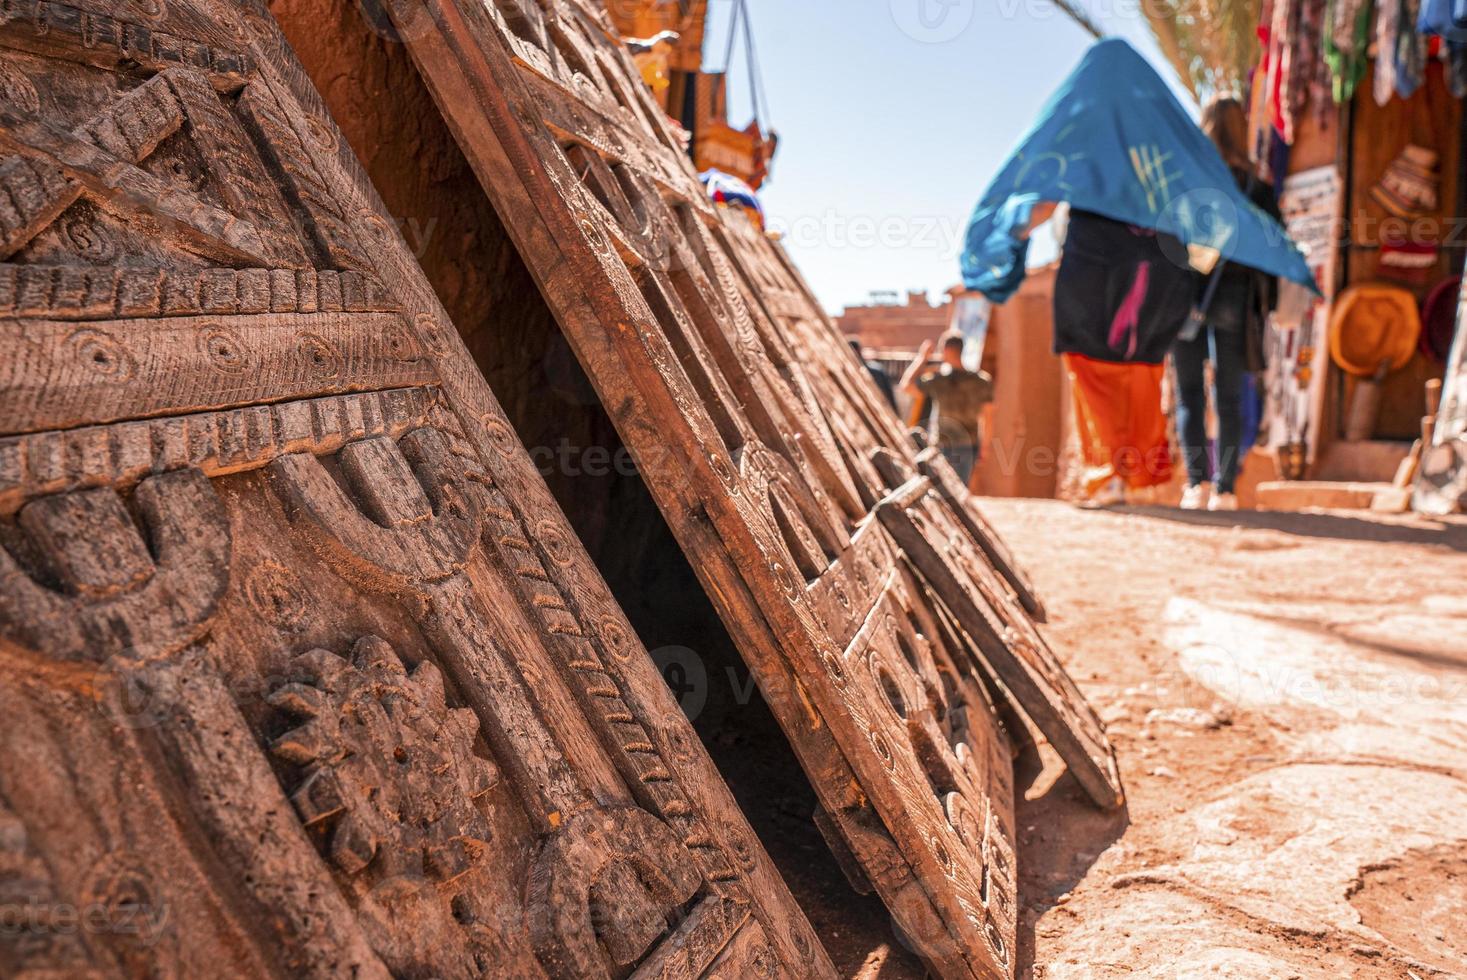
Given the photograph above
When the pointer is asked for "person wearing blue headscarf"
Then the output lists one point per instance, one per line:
(1152, 204)
(1114, 140)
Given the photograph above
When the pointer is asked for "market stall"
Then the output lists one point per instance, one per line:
(1356, 112)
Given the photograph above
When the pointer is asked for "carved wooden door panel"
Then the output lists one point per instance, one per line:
(851, 399)
(306, 674)
(767, 493)
(949, 486)
(939, 547)
(846, 390)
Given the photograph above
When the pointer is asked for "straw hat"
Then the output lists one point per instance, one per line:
(1373, 325)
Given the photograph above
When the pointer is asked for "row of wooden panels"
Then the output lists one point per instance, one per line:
(309, 674)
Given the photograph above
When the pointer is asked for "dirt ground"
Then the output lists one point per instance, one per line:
(1287, 694)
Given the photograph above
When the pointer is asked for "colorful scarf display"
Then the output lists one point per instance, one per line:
(1400, 59)
(1310, 81)
(1293, 75)
(1446, 19)
(1346, 41)
(1387, 35)
(1283, 34)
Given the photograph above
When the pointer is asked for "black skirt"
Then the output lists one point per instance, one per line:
(1122, 293)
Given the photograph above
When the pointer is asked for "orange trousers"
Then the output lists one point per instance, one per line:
(1122, 428)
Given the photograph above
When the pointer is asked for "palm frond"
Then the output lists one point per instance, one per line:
(1211, 44)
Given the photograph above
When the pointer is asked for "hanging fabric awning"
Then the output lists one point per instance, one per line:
(1114, 140)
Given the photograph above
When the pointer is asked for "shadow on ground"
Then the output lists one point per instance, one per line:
(1431, 659)
(1339, 527)
(1061, 835)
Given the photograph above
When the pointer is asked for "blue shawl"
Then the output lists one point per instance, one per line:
(1114, 140)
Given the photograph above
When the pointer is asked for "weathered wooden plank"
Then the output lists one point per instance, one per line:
(960, 503)
(983, 604)
(61, 374)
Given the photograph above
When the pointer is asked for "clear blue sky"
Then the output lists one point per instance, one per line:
(893, 117)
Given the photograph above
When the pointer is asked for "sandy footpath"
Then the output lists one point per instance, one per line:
(1288, 697)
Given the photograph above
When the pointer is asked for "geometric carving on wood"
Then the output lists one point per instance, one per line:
(858, 413)
(76, 292)
(411, 519)
(945, 480)
(106, 371)
(233, 476)
(409, 524)
(55, 167)
(764, 483)
(215, 443)
(606, 878)
(115, 598)
(87, 33)
(389, 771)
(718, 938)
(332, 229)
(100, 156)
(950, 801)
(1011, 646)
(126, 904)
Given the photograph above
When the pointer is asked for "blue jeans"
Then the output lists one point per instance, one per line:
(1228, 352)
(963, 459)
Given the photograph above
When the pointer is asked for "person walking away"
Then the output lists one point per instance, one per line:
(879, 376)
(958, 397)
(1119, 295)
(1232, 339)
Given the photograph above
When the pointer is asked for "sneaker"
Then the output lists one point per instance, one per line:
(1112, 494)
(1224, 501)
(1197, 497)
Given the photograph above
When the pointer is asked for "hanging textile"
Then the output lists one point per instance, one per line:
(1114, 140)
(1283, 60)
(1260, 115)
(1411, 52)
(1319, 81)
(1446, 19)
(1308, 79)
(1400, 58)
(1387, 34)
(1346, 41)
(1260, 125)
